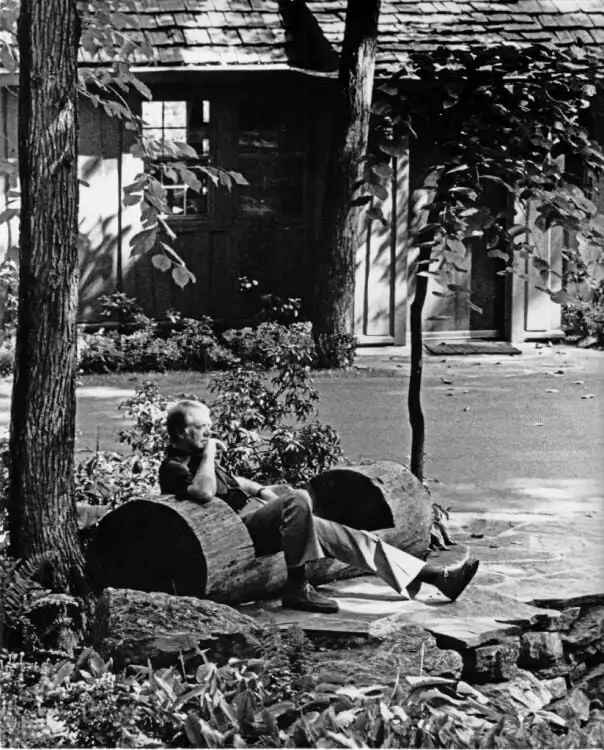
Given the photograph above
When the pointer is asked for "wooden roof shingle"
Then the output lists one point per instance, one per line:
(263, 32)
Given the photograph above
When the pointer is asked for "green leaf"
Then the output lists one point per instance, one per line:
(540, 264)
(562, 297)
(456, 246)
(517, 230)
(238, 178)
(191, 180)
(161, 262)
(466, 191)
(496, 253)
(396, 148)
(458, 288)
(382, 170)
(182, 276)
(132, 199)
(460, 168)
(144, 240)
(377, 190)
(362, 200)
(498, 180)
(63, 673)
(186, 149)
(375, 213)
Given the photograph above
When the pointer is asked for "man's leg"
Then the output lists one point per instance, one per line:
(286, 524)
(398, 569)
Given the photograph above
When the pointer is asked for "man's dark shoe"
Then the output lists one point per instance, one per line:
(303, 596)
(453, 582)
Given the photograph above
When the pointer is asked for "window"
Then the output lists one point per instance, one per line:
(271, 156)
(166, 124)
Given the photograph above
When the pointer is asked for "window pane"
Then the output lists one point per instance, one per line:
(176, 134)
(175, 115)
(276, 185)
(153, 114)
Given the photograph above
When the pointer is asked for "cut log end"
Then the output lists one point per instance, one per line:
(147, 546)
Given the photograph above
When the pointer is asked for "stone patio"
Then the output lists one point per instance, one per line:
(533, 565)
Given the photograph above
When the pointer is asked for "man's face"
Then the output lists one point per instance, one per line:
(198, 429)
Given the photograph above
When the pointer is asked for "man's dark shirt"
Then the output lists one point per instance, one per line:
(178, 469)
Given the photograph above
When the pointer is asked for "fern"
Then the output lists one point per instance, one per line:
(23, 598)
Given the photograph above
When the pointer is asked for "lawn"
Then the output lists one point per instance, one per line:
(487, 421)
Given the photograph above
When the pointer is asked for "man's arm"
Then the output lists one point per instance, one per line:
(203, 486)
(255, 489)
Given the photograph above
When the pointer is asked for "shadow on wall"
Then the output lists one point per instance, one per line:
(98, 253)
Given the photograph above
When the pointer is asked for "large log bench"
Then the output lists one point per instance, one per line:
(160, 543)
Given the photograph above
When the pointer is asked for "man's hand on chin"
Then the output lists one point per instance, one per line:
(213, 444)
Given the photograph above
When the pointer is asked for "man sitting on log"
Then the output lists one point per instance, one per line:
(285, 523)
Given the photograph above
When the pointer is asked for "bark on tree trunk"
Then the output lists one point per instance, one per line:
(42, 515)
(335, 277)
(414, 394)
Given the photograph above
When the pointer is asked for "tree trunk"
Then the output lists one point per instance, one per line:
(335, 278)
(414, 394)
(42, 515)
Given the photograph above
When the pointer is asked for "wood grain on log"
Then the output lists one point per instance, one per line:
(181, 547)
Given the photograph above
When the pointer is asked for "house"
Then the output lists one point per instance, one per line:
(250, 83)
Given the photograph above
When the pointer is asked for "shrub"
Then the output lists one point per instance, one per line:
(264, 422)
(585, 318)
(198, 346)
(269, 306)
(144, 351)
(335, 351)
(7, 358)
(9, 293)
(120, 305)
(109, 478)
(99, 352)
(271, 343)
(190, 345)
(296, 454)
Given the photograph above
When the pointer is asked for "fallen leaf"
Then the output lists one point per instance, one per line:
(588, 395)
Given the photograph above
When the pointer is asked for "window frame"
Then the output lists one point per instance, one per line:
(183, 221)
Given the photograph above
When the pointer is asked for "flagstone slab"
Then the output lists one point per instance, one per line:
(369, 607)
(528, 560)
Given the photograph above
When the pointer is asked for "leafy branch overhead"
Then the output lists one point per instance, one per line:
(507, 125)
(111, 46)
